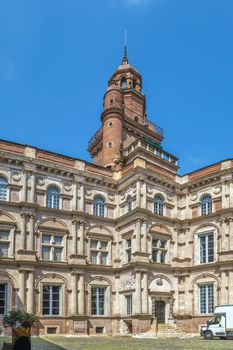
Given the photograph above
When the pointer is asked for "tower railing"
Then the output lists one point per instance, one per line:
(157, 128)
(94, 137)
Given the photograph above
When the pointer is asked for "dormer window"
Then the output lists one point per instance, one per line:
(123, 83)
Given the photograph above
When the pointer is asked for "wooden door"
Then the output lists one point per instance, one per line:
(160, 311)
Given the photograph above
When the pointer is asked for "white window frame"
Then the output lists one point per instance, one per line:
(198, 247)
(128, 250)
(99, 250)
(97, 288)
(51, 300)
(52, 199)
(52, 246)
(99, 206)
(9, 241)
(159, 249)
(129, 304)
(159, 208)
(206, 208)
(6, 184)
(206, 293)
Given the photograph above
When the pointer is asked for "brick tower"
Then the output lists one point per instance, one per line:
(124, 117)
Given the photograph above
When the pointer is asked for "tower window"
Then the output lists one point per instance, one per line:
(110, 124)
(136, 119)
(111, 101)
(123, 83)
(134, 84)
(110, 145)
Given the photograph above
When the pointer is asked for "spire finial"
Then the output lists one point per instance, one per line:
(125, 58)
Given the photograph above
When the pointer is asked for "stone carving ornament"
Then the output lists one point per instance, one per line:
(217, 189)
(67, 186)
(111, 197)
(170, 197)
(129, 284)
(88, 192)
(193, 197)
(16, 175)
(40, 180)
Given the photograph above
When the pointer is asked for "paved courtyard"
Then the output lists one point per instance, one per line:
(62, 343)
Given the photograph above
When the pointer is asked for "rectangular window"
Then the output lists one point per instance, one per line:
(3, 298)
(128, 250)
(51, 300)
(159, 250)
(129, 305)
(206, 298)
(98, 296)
(206, 244)
(52, 247)
(4, 243)
(99, 252)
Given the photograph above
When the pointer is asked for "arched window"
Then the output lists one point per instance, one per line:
(53, 197)
(123, 83)
(158, 205)
(206, 205)
(98, 206)
(3, 188)
(134, 84)
(129, 204)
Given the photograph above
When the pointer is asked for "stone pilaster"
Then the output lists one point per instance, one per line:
(23, 231)
(138, 236)
(145, 293)
(138, 194)
(117, 296)
(24, 189)
(138, 294)
(144, 235)
(30, 292)
(74, 237)
(81, 295)
(22, 289)
(81, 247)
(30, 242)
(33, 186)
(75, 196)
(81, 197)
(73, 306)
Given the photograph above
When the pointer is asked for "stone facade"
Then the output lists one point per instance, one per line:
(110, 246)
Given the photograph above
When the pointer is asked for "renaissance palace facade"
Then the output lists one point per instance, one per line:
(111, 246)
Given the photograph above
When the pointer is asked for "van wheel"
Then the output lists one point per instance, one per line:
(208, 335)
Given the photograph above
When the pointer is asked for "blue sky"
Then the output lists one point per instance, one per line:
(56, 57)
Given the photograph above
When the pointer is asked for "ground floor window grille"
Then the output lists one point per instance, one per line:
(99, 330)
(52, 330)
(206, 298)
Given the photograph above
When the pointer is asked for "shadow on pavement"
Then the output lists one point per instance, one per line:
(42, 344)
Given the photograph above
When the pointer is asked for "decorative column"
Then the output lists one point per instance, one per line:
(30, 292)
(117, 302)
(33, 185)
(138, 194)
(138, 296)
(74, 293)
(74, 237)
(75, 196)
(81, 295)
(30, 241)
(138, 235)
(81, 250)
(224, 238)
(23, 231)
(144, 236)
(231, 233)
(144, 195)
(22, 289)
(224, 287)
(175, 244)
(81, 197)
(24, 189)
(145, 293)
(230, 289)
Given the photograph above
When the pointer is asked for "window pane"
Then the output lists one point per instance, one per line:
(53, 196)
(46, 239)
(94, 244)
(3, 188)
(104, 245)
(4, 247)
(58, 240)
(58, 254)
(98, 301)
(46, 253)
(94, 256)
(155, 255)
(104, 258)
(4, 235)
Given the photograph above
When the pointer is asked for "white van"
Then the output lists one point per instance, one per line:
(221, 325)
